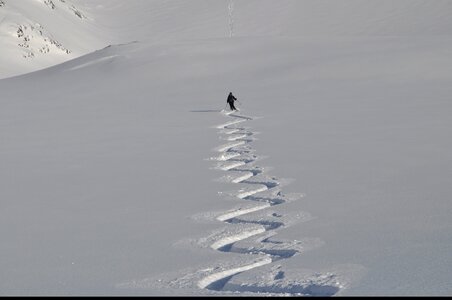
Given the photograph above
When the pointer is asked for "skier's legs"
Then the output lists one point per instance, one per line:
(231, 105)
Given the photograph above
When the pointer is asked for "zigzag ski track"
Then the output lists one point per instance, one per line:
(252, 228)
(253, 256)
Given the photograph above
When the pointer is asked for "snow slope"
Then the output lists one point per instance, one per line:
(121, 175)
(40, 33)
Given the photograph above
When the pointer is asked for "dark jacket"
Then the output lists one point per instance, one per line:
(231, 98)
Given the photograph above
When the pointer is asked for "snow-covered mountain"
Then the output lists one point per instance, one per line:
(123, 174)
(40, 33)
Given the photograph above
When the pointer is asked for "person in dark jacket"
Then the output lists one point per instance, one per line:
(231, 100)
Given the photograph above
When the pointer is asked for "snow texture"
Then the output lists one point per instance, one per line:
(123, 172)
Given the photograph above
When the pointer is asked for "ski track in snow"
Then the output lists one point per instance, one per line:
(249, 235)
(252, 229)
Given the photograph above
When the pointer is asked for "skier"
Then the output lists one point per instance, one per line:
(231, 100)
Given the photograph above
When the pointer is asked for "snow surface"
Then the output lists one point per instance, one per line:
(122, 174)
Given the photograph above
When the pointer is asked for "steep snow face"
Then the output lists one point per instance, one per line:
(40, 33)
